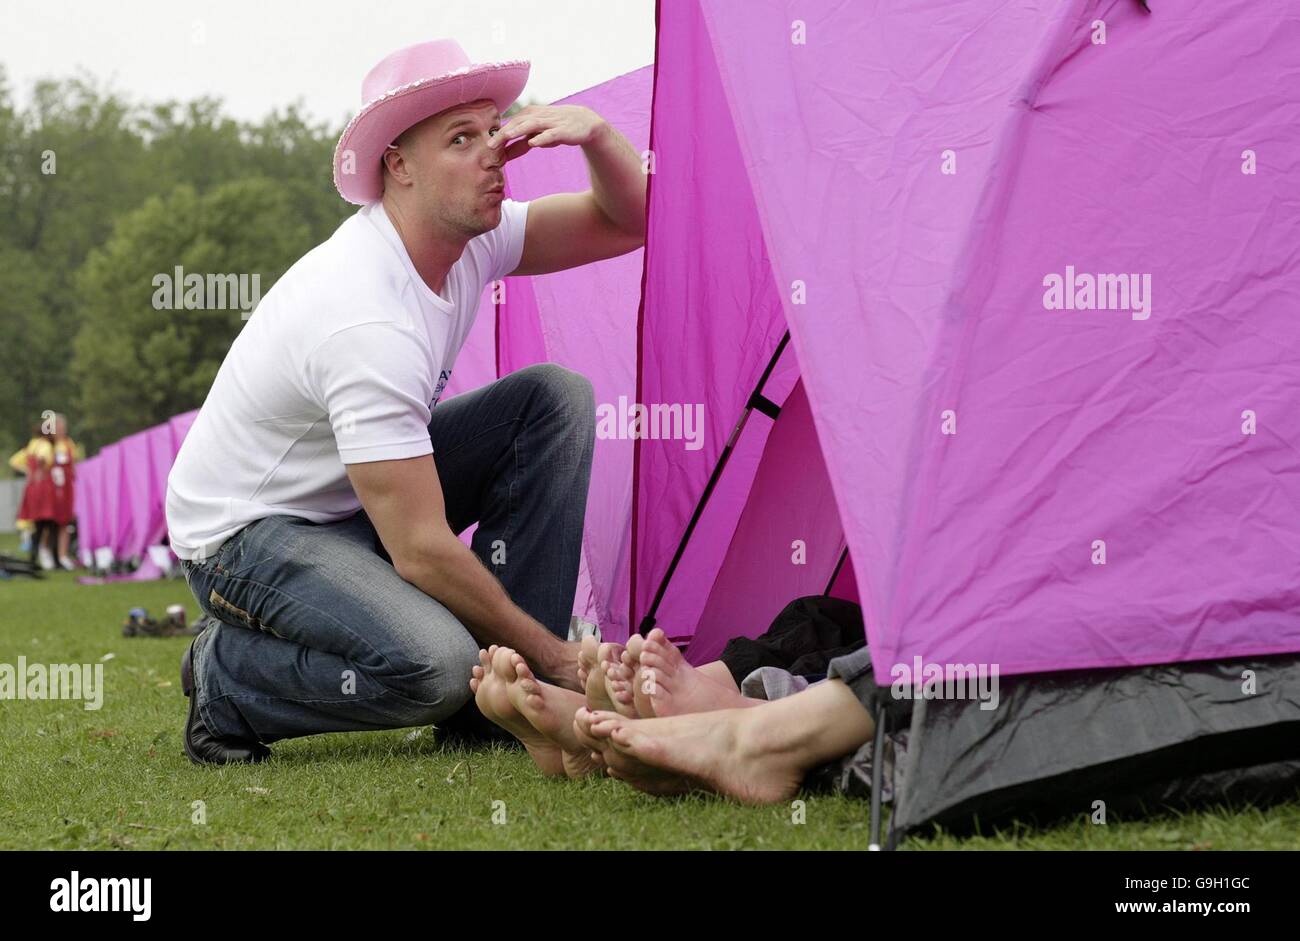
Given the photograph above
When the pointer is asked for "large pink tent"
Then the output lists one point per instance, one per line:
(120, 494)
(895, 184)
(1038, 264)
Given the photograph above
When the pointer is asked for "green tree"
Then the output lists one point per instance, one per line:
(77, 161)
(135, 365)
(68, 164)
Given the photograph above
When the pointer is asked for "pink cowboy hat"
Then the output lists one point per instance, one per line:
(408, 86)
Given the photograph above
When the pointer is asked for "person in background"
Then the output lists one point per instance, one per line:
(49, 461)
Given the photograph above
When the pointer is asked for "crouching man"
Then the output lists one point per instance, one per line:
(316, 501)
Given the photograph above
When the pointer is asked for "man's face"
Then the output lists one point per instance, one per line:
(455, 178)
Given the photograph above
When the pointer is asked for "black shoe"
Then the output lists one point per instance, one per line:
(202, 746)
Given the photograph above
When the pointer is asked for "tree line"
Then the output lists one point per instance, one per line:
(99, 195)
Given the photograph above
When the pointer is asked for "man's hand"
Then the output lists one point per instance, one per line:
(404, 502)
(547, 126)
(565, 230)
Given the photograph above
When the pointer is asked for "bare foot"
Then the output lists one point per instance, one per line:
(640, 683)
(582, 720)
(593, 667)
(490, 683)
(674, 687)
(618, 688)
(594, 729)
(549, 710)
(725, 751)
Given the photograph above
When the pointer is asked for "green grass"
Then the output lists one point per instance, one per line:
(117, 778)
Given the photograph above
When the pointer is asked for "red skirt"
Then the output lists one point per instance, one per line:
(43, 499)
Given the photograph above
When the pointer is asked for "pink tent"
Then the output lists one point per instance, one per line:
(120, 495)
(1019, 482)
(1037, 266)
(89, 507)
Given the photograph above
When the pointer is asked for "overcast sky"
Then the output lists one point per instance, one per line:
(260, 54)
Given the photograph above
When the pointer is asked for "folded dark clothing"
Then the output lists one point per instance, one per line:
(804, 638)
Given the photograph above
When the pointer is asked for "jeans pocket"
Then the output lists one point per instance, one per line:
(230, 611)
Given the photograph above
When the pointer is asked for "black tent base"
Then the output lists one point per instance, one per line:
(1057, 801)
(1103, 746)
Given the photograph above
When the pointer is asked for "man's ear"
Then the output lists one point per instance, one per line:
(394, 164)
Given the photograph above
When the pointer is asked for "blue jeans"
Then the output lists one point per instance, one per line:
(318, 633)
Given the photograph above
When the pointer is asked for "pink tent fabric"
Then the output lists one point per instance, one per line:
(138, 490)
(120, 494)
(926, 301)
(88, 505)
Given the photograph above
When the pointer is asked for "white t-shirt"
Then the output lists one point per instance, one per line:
(341, 363)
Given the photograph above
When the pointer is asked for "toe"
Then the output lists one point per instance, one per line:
(588, 652)
(501, 664)
(635, 644)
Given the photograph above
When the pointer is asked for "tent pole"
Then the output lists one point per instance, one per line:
(877, 772)
(844, 554)
(756, 400)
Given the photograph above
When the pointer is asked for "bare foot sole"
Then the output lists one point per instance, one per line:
(618, 687)
(490, 682)
(597, 660)
(639, 681)
(549, 710)
(722, 751)
(674, 687)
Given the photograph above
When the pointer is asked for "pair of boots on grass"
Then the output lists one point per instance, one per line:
(649, 718)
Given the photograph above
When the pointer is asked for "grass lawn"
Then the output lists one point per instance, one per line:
(117, 778)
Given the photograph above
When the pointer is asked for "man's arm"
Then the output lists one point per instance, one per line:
(566, 230)
(404, 502)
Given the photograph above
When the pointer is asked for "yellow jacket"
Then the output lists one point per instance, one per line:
(46, 453)
(39, 447)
